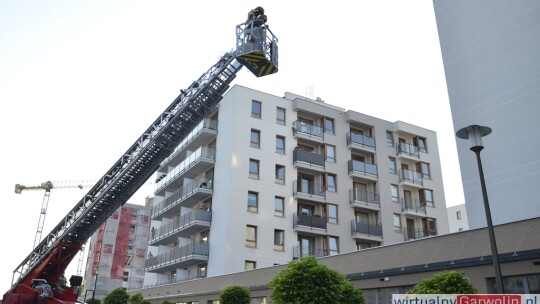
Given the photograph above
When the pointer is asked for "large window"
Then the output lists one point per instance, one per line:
(255, 140)
(395, 193)
(251, 236)
(397, 222)
(389, 139)
(392, 165)
(426, 197)
(330, 153)
(253, 201)
(280, 144)
(420, 142)
(280, 116)
(279, 240)
(332, 213)
(254, 168)
(256, 109)
(250, 265)
(329, 125)
(280, 174)
(423, 168)
(333, 245)
(279, 206)
(331, 182)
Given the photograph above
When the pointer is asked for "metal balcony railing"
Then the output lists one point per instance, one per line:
(178, 254)
(412, 233)
(311, 221)
(183, 192)
(369, 229)
(299, 251)
(408, 149)
(361, 196)
(307, 129)
(182, 222)
(362, 168)
(308, 188)
(361, 140)
(410, 176)
(308, 157)
(413, 205)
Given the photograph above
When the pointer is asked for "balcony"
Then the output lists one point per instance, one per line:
(366, 231)
(411, 178)
(413, 206)
(360, 142)
(364, 199)
(362, 170)
(308, 160)
(187, 195)
(197, 162)
(184, 226)
(412, 233)
(408, 151)
(309, 191)
(299, 252)
(310, 224)
(199, 135)
(309, 132)
(178, 257)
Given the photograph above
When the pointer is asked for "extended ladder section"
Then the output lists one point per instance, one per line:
(51, 256)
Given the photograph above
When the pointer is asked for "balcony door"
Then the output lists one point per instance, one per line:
(408, 199)
(410, 229)
(306, 183)
(306, 246)
(360, 191)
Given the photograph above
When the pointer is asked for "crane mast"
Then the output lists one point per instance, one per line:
(49, 259)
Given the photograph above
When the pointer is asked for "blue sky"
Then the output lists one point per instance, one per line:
(81, 80)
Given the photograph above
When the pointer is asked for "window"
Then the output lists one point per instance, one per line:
(331, 182)
(389, 139)
(395, 193)
(255, 141)
(423, 168)
(362, 245)
(426, 197)
(280, 144)
(330, 153)
(333, 245)
(251, 236)
(397, 222)
(279, 206)
(329, 126)
(392, 165)
(250, 265)
(256, 109)
(253, 201)
(458, 215)
(201, 271)
(420, 142)
(332, 214)
(258, 300)
(430, 226)
(280, 116)
(254, 168)
(280, 174)
(279, 240)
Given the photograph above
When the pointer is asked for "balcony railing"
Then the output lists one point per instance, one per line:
(369, 229)
(308, 157)
(200, 153)
(181, 223)
(299, 251)
(311, 221)
(412, 233)
(408, 149)
(413, 205)
(181, 194)
(308, 188)
(361, 196)
(362, 168)
(178, 254)
(307, 129)
(410, 176)
(176, 279)
(359, 139)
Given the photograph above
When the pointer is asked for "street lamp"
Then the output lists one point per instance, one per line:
(475, 133)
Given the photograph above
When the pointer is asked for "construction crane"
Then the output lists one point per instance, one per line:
(47, 186)
(256, 49)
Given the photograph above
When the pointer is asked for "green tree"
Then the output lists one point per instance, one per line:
(306, 281)
(166, 302)
(117, 296)
(235, 294)
(136, 298)
(93, 301)
(446, 282)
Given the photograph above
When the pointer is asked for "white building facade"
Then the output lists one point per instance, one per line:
(490, 52)
(457, 218)
(265, 180)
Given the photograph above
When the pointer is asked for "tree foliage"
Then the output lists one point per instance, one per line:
(93, 301)
(117, 296)
(136, 298)
(306, 281)
(235, 295)
(166, 302)
(446, 282)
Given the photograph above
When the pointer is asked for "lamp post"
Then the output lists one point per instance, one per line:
(475, 133)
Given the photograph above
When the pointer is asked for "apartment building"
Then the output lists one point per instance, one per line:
(457, 218)
(265, 180)
(117, 252)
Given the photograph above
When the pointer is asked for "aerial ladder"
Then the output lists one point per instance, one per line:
(36, 277)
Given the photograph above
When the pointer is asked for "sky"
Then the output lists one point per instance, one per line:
(80, 81)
